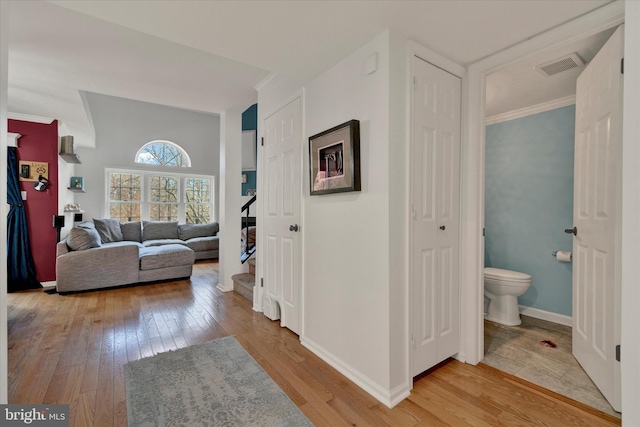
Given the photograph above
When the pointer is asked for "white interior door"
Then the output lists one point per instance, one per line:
(435, 226)
(281, 211)
(596, 213)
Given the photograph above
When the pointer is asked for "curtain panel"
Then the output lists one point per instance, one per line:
(21, 269)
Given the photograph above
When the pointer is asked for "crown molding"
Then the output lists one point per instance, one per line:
(12, 139)
(30, 118)
(266, 81)
(535, 109)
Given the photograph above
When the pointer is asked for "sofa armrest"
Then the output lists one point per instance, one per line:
(62, 248)
(95, 268)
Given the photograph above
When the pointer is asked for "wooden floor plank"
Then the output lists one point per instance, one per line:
(72, 349)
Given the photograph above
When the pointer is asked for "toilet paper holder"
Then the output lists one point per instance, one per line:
(563, 256)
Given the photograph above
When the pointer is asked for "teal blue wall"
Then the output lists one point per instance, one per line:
(250, 122)
(529, 203)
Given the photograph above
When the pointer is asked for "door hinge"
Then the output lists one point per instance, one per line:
(261, 282)
(262, 141)
(618, 352)
(622, 66)
(483, 232)
(415, 83)
(413, 211)
(413, 342)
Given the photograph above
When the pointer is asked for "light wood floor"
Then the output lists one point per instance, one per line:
(71, 349)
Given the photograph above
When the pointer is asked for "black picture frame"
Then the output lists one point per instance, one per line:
(334, 159)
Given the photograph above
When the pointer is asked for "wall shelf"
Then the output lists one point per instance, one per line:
(76, 189)
(69, 211)
(70, 157)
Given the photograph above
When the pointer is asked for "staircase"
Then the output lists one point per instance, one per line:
(245, 282)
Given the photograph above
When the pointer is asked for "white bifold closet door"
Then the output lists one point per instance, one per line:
(435, 211)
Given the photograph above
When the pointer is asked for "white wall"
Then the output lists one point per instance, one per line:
(400, 378)
(354, 244)
(352, 302)
(123, 126)
(230, 198)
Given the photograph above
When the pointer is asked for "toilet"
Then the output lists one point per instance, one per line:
(502, 288)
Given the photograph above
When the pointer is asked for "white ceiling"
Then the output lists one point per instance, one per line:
(520, 85)
(209, 55)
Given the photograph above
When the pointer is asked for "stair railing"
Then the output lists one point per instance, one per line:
(249, 249)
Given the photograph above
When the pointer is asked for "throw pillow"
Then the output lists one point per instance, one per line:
(81, 238)
(154, 230)
(131, 231)
(108, 229)
(86, 224)
(189, 231)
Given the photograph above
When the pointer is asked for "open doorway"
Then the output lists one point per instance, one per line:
(530, 106)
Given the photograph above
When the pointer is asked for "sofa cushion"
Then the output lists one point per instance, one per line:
(160, 242)
(131, 231)
(155, 257)
(189, 231)
(81, 238)
(156, 230)
(199, 244)
(108, 229)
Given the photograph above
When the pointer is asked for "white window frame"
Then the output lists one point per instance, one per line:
(145, 202)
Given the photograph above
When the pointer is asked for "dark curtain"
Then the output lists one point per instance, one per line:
(21, 269)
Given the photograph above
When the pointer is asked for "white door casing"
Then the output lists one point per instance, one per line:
(281, 210)
(435, 210)
(596, 216)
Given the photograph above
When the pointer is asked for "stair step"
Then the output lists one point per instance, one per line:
(243, 284)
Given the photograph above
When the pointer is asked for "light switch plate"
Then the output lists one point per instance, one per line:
(24, 195)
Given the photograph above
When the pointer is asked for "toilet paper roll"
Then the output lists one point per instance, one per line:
(564, 256)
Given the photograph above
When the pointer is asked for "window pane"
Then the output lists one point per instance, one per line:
(164, 189)
(124, 212)
(163, 212)
(163, 153)
(197, 190)
(124, 188)
(164, 199)
(197, 214)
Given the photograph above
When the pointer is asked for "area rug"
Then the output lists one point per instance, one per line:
(212, 384)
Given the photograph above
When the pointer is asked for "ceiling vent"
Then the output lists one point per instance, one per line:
(567, 62)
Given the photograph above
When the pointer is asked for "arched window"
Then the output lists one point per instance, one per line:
(165, 153)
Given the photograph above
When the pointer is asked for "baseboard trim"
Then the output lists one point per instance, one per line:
(223, 288)
(51, 284)
(389, 398)
(546, 315)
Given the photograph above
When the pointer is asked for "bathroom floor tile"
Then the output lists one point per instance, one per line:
(517, 351)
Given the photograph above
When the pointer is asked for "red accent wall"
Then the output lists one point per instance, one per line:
(39, 142)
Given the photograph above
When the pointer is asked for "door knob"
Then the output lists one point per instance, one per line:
(293, 227)
(573, 231)
(442, 227)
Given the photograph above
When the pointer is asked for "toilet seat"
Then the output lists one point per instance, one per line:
(514, 277)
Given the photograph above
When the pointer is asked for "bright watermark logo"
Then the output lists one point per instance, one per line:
(34, 415)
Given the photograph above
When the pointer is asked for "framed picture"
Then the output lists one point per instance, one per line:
(334, 159)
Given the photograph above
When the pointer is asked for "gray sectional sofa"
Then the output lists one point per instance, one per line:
(108, 253)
